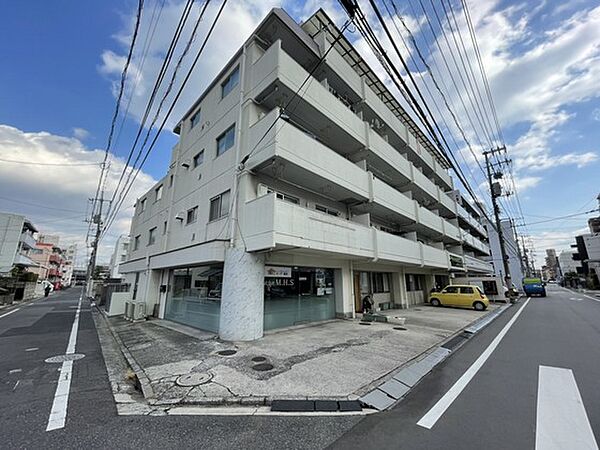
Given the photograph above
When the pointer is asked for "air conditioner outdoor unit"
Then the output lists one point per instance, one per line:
(138, 311)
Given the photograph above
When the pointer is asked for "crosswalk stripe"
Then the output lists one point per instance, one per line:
(561, 420)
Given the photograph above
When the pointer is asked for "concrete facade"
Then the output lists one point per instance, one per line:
(515, 263)
(119, 255)
(17, 237)
(268, 217)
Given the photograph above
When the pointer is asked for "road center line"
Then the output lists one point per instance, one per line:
(433, 415)
(58, 414)
(10, 312)
(561, 420)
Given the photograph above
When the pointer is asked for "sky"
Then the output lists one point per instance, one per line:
(63, 63)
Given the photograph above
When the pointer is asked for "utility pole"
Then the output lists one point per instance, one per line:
(97, 219)
(525, 251)
(496, 191)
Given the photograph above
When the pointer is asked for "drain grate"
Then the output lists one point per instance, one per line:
(226, 352)
(258, 359)
(400, 328)
(263, 367)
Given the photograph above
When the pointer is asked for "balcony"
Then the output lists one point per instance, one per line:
(27, 240)
(474, 243)
(276, 76)
(55, 259)
(477, 265)
(269, 223)
(468, 220)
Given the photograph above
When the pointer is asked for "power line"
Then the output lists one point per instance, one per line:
(561, 217)
(32, 163)
(38, 205)
(157, 82)
(172, 106)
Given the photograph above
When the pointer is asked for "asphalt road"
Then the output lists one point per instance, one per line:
(498, 407)
(509, 399)
(28, 385)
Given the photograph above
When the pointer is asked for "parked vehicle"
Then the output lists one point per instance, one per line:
(534, 286)
(462, 295)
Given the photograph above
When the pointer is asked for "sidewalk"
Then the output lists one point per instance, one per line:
(336, 360)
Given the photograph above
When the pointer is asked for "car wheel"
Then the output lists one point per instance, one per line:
(479, 306)
(435, 302)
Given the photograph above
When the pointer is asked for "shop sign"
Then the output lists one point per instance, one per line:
(278, 272)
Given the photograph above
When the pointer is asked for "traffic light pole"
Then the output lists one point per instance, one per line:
(496, 208)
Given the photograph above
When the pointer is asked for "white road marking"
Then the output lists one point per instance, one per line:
(561, 420)
(16, 384)
(32, 349)
(10, 312)
(433, 415)
(15, 371)
(58, 414)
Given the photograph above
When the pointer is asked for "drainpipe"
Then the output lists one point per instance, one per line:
(238, 152)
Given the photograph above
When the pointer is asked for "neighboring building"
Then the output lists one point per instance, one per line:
(515, 261)
(79, 276)
(49, 258)
(269, 218)
(17, 238)
(68, 266)
(567, 263)
(119, 255)
(552, 270)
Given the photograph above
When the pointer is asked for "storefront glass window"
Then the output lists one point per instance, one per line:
(298, 295)
(194, 297)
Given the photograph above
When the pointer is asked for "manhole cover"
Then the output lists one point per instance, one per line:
(258, 359)
(226, 352)
(63, 358)
(193, 379)
(364, 323)
(263, 367)
(400, 328)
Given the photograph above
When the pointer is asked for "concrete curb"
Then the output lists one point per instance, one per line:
(145, 385)
(393, 391)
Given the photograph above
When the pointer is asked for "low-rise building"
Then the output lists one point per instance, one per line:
(271, 217)
(17, 238)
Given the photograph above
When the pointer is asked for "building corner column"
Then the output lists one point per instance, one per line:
(242, 299)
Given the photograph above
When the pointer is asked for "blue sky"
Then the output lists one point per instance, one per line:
(62, 61)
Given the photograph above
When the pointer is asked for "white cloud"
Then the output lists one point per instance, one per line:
(596, 114)
(558, 240)
(65, 187)
(81, 133)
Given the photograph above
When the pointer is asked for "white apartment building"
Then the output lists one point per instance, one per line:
(17, 238)
(567, 263)
(269, 218)
(119, 255)
(512, 251)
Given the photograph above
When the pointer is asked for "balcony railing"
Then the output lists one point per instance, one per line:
(268, 223)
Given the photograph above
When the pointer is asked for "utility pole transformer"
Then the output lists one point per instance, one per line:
(495, 192)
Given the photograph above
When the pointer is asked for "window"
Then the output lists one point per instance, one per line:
(198, 159)
(285, 197)
(324, 209)
(171, 181)
(165, 224)
(158, 192)
(226, 140)
(219, 206)
(451, 290)
(136, 242)
(230, 82)
(152, 236)
(192, 215)
(490, 287)
(466, 290)
(195, 119)
(413, 282)
(142, 205)
(381, 282)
